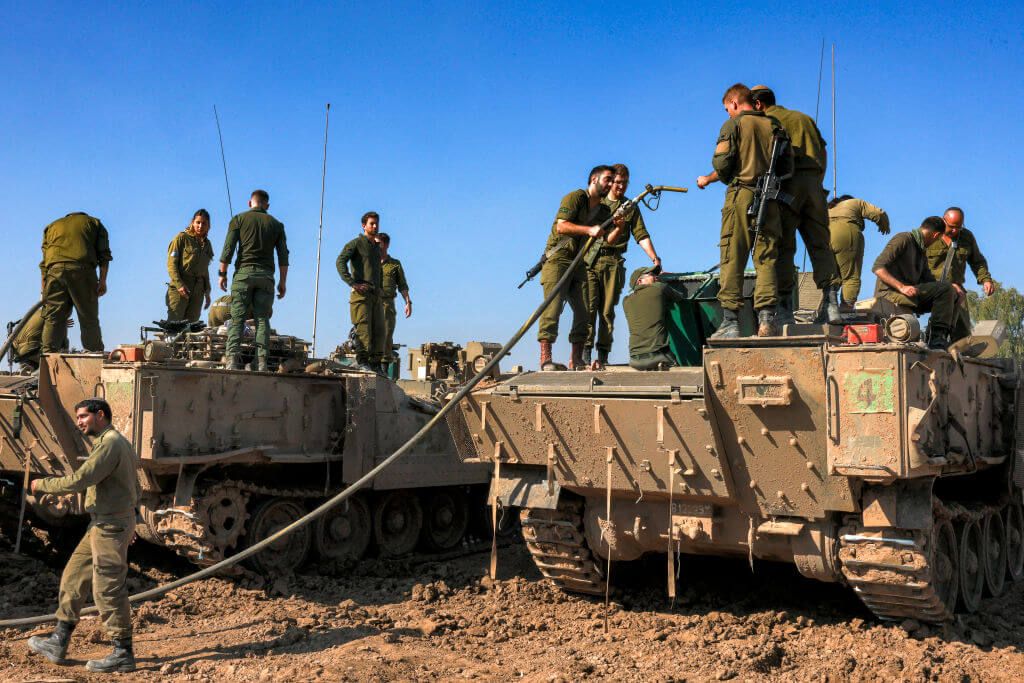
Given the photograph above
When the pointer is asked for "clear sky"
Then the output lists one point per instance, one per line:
(464, 124)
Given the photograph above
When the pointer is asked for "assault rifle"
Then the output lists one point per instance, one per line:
(769, 184)
(532, 272)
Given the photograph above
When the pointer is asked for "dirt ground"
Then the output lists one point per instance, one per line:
(427, 620)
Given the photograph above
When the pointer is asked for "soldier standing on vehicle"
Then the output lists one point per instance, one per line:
(606, 270)
(579, 216)
(258, 235)
(26, 344)
(807, 213)
(905, 279)
(188, 265)
(393, 283)
(742, 154)
(846, 216)
(109, 480)
(73, 247)
(967, 253)
(646, 308)
(363, 255)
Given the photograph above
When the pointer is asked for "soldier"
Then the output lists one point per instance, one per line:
(807, 212)
(967, 253)
(109, 480)
(607, 273)
(366, 280)
(393, 281)
(645, 309)
(743, 153)
(905, 279)
(846, 216)
(188, 265)
(258, 235)
(73, 247)
(26, 344)
(579, 216)
(219, 312)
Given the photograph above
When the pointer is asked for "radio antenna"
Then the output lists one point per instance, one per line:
(223, 161)
(320, 233)
(835, 142)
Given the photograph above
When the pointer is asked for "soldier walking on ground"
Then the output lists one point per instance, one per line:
(606, 270)
(359, 265)
(846, 216)
(100, 561)
(807, 213)
(905, 279)
(646, 308)
(742, 154)
(258, 235)
(188, 265)
(393, 283)
(579, 216)
(966, 253)
(73, 247)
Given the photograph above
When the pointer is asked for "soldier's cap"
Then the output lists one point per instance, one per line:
(654, 270)
(758, 88)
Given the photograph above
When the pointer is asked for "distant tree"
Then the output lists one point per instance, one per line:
(1007, 306)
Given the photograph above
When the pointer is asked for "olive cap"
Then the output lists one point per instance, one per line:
(642, 271)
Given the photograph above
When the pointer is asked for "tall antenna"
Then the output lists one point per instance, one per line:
(223, 161)
(821, 64)
(320, 233)
(835, 142)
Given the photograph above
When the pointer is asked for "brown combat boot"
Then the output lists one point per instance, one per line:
(576, 358)
(545, 356)
(766, 323)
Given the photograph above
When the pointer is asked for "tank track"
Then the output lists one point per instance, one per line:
(891, 570)
(557, 544)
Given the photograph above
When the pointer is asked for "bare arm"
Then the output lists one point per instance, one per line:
(885, 276)
(705, 180)
(101, 286)
(564, 227)
(648, 248)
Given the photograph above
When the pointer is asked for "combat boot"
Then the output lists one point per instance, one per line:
(576, 357)
(261, 364)
(121, 660)
(545, 355)
(766, 322)
(730, 326)
(784, 316)
(232, 363)
(602, 360)
(938, 340)
(55, 647)
(832, 306)
(588, 356)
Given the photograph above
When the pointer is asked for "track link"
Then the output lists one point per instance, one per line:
(555, 540)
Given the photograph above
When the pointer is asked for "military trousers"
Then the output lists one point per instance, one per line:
(251, 289)
(961, 322)
(651, 361)
(937, 297)
(808, 215)
(66, 286)
(848, 245)
(99, 564)
(26, 345)
(186, 307)
(605, 280)
(735, 248)
(367, 312)
(574, 292)
(390, 316)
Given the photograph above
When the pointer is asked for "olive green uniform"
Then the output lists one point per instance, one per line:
(393, 278)
(846, 227)
(575, 208)
(741, 155)
(258, 235)
(188, 265)
(363, 256)
(967, 253)
(808, 213)
(73, 247)
(606, 277)
(100, 561)
(905, 259)
(220, 311)
(26, 344)
(646, 308)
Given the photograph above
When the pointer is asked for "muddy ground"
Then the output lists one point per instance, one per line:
(427, 620)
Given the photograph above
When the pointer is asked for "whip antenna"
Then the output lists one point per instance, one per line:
(223, 161)
(320, 233)
(835, 143)
(821, 64)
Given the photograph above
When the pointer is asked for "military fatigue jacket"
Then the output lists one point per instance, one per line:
(363, 254)
(76, 238)
(393, 277)
(187, 256)
(808, 145)
(645, 309)
(575, 208)
(905, 259)
(108, 477)
(744, 148)
(258, 235)
(967, 253)
(634, 225)
(854, 211)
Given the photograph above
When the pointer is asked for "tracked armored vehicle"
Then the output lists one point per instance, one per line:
(228, 457)
(879, 464)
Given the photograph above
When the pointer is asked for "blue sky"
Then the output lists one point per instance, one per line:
(464, 124)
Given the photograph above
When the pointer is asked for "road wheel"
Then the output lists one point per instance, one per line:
(945, 564)
(993, 534)
(1015, 540)
(285, 554)
(446, 517)
(397, 520)
(972, 569)
(344, 532)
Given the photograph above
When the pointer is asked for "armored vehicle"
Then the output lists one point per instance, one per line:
(860, 459)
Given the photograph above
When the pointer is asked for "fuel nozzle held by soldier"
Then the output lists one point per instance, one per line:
(769, 184)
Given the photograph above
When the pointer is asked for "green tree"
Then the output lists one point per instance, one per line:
(1006, 306)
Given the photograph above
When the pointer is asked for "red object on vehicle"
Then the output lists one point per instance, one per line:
(862, 334)
(127, 354)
